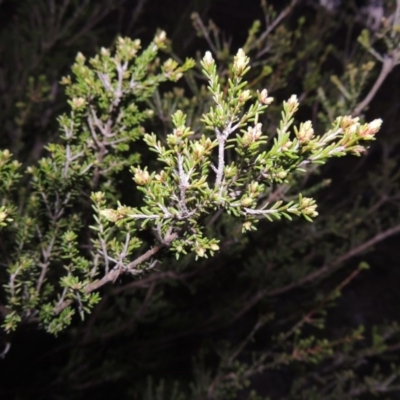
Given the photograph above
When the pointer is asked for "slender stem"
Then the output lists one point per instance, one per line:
(328, 267)
(273, 25)
(396, 21)
(113, 274)
(221, 159)
(204, 31)
(387, 66)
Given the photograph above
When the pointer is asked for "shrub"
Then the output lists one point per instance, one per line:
(72, 227)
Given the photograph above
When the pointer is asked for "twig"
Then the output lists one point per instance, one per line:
(327, 267)
(387, 66)
(273, 25)
(113, 274)
(204, 31)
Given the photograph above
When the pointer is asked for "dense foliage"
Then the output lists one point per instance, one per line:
(155, 230)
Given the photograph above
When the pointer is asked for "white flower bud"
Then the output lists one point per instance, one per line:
(240, 62)
(104, 52)
(305, 133)
(292, 103)
(77, 103)
(263, 97)
(208, 59)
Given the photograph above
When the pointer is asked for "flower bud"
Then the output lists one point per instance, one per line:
(77, 103)
(141, 177)
(160, 39)
(247, 225)
(357, 150)
(287, 145)
(214, 247)
(263, 97)
(110, 215)
(97, 197)
(347, 121)
(230, 171)
(305, 133)
(198, 150)
(246, 201)
(375, 125)
(160, 177)
(253, 187)
(240, 63)
(252, 134)
(308, 207)
(282, 174)
(208, 60)
(104, 52)
(292, 104)
(65, 80)
(200, 251)
(368, 131)
(244, 96)
(80, 58)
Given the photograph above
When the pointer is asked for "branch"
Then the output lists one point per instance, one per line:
(387, 66)
(204, 31)
(114, 274)
(250, 303)
(351, 253)
(285, 12)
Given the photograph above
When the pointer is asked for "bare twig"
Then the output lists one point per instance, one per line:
(284, 13)
(341, 259)
(388, 64)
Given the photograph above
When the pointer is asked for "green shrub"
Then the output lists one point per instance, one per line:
(222, 155)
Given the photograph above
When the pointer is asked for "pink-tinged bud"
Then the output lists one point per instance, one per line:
(357, 150)
(263, 97)
(375, 125)
(305, 133)
(352, 129)
(252, 135)
(160, 177)
(368, 131)
(347, 121)
(287, 145)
